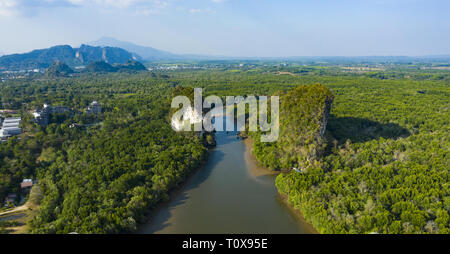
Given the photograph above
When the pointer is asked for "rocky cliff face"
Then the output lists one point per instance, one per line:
(88, 54)
(303, 118)
(190, 116)
(43, 58)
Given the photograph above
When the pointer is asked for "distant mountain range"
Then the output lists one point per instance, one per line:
(151, 54)
(105, 49)
(113, 51)
(147, 53)
(84, 55)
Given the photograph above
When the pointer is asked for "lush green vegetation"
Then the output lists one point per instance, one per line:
(100, 67)
(102, 175)
(381, 165)
(303, 116)
(386, 166)
(130, 66)
(59, 69)
(107, 183)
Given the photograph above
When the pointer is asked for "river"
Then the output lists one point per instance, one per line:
(230, 194)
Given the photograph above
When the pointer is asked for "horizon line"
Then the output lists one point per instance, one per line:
(5, 53)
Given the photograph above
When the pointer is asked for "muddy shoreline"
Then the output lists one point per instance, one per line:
(256, 170)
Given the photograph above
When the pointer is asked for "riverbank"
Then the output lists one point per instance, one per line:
(223, 197)
(172, 194)
(257, 170)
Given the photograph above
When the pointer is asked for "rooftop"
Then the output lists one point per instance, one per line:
(10, 128)
(13, 119)
(26, 183)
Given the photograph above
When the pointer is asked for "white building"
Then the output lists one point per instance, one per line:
(6, 125)
(10, 131)
(12, 120)
(94, 108)
(10, 127)
(42, 116)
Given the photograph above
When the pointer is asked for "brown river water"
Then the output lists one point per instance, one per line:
(230, 194)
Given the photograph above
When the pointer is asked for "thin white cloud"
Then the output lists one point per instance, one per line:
(122, 3)
(31, 7)
(198, 11)
(107, 3)
(27, 7)
(7, 7)
(147, 12)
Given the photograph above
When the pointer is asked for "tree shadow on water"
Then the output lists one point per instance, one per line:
(159, 217)
(361, 130)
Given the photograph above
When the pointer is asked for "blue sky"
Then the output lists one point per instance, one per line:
(234, 27)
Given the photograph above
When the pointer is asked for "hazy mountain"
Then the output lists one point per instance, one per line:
(131, 66)
(1, 53)
(85, 54)
(59, 69)
(147, 53)
(101, 66)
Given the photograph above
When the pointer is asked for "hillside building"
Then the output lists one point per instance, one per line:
(26, 184)
(42, 117)
(94, 108)
(10, 127)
